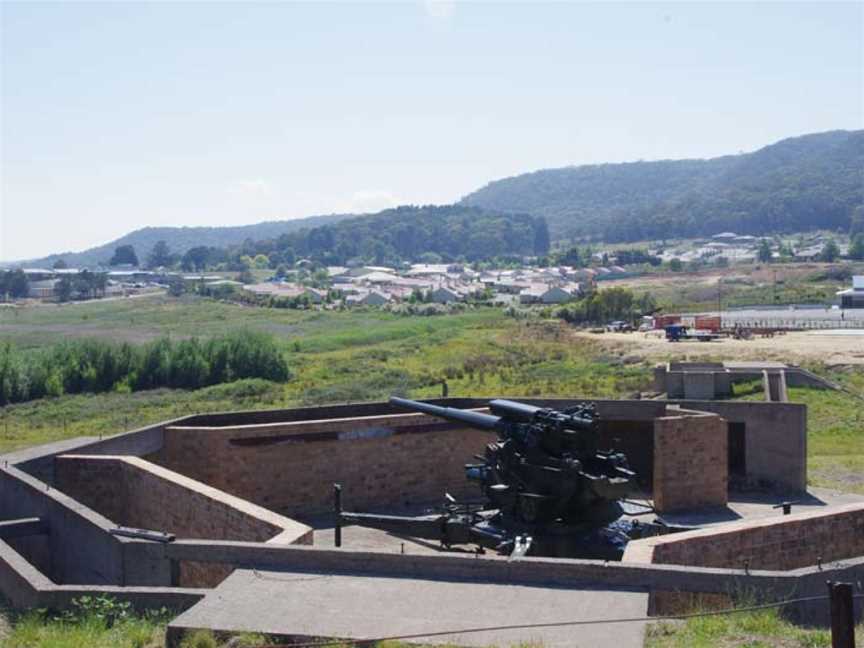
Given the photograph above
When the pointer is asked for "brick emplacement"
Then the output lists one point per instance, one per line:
(136, 493)
(690, 462)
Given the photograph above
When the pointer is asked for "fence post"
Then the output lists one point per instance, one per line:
(842, 615)
(337, 511)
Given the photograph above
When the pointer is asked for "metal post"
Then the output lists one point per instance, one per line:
(842, 615)
(337, 510)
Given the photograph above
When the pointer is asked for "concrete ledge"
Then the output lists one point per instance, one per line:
(528, 571)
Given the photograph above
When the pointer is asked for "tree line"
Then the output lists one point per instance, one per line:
(602, 306)
(391, 237)
(93, 366)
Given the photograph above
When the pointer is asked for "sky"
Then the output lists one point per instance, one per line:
(120, 115)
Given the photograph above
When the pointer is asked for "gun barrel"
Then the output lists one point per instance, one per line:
(514, 411)
(472, 419)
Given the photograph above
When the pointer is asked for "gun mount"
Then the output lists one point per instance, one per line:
(547, 488)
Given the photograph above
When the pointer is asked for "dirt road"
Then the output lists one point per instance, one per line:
(829, 347)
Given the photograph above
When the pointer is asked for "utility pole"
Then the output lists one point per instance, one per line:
(720, 302)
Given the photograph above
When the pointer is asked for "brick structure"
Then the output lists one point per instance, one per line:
(782, 543)
(381, 461)
(691, 466)
(395, 460)
(136, 493)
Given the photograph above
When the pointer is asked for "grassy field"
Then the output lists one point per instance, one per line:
(835, 430)
(761, 284)
(335, 357)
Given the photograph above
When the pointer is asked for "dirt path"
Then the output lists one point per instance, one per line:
(796, 347)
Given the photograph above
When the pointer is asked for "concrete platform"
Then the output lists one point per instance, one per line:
(754, 506)
(303, 606)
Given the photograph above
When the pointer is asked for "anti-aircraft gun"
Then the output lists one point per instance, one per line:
(548, 489)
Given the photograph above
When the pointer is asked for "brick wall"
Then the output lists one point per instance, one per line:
(782, 543)
(381, 461)
(690, 461)
(133, 492)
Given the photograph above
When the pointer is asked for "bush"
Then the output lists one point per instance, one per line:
(96, 366)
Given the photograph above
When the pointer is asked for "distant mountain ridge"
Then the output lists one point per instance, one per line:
(181, 239)
(807, 182)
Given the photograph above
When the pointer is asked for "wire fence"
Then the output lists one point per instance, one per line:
(345, 643)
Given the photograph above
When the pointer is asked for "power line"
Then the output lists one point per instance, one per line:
(561, 624)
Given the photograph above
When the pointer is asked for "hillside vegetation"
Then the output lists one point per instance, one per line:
(798, 184)
(409, 233)
(182, 239)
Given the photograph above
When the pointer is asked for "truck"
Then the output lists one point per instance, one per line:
(679, 332)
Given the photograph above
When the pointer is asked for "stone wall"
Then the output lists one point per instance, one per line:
(690, 462)
(135, 493)
(381, 461)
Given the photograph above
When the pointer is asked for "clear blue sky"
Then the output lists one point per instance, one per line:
(121, 115)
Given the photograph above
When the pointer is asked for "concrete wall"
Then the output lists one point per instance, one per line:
(690, 462)
(135, 493)
(78, 548)
(775, 440)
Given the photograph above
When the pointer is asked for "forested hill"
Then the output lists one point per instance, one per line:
(801, 183)
(409, 233)
(182, 239)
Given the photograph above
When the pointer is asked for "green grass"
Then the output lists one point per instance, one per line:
(335, 357)
(835, 429)
(760, 629)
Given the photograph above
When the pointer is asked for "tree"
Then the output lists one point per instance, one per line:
(856, 248)
(764, 253)
(195, 258)
(14, 283)
(675, 265)
(60, 264)
(830, 251)
(124, 255)
(857, 222)
(160, 256)
(63, 289)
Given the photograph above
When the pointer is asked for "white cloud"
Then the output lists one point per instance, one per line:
(441, 9)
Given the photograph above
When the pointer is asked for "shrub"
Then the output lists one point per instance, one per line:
(97, 366)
